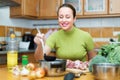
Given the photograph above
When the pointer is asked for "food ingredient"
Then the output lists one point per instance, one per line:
(109, 53)
(24, 72)
(12, 54)
(40, 72)
(96, 59)
(30, 66)
(32, 75)
(77, 64)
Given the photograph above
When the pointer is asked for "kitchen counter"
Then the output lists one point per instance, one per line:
(20, 51)
(30, 53)
(5, 75)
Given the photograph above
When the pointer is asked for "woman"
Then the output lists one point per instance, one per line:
(69, 42)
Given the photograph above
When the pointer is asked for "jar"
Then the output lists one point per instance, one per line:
(24, 60)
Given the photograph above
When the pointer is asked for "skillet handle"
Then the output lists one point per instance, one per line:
(69, 76)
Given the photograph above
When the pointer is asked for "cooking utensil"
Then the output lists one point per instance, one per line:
(47, 58)
(54, 68)
(69, 76)
(106, 71)
(42, 42)
(72, 75)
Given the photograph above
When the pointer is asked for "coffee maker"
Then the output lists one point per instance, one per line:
(28, 37)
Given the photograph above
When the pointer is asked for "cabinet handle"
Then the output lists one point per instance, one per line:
(37, 8)
(110, 5)
(57, 2)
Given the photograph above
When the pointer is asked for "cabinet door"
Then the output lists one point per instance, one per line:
(27, 8)
(48, 8)
(78, 4)
(92, 7)
(114, 6)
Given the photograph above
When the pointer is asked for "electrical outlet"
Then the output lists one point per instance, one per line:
(115, 33)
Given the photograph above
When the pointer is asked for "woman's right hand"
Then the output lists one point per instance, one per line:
(38, 38)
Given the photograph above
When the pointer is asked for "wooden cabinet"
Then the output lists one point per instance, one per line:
(114, 6)
(92, 7)
(2, 31)
(27, 8)
(48, 9)
(78, 4)
(85, 8)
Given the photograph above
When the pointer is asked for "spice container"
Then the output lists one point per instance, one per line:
(24, 60)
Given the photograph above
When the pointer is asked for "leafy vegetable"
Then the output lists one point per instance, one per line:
(108, 53)
(97, 59)
(114, 57)
(107, 49)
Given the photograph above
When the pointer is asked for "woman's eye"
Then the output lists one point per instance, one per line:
(60, 16)
(67, 16)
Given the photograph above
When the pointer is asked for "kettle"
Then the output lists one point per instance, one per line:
(28, 37)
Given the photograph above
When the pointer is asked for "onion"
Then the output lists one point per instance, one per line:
(30, 66)
(32, 75)
(24, 71)
(40, 72)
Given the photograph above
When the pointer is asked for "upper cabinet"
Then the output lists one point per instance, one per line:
(27, 8)
(114, 6)
(78, 4)
(89, 7)
(48, 9)
(95, 7)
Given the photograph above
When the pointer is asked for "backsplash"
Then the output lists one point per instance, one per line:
(101, 35)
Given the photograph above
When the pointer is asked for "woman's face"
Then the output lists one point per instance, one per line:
(65, 18)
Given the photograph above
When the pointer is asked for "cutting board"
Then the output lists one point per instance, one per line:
(73, 70)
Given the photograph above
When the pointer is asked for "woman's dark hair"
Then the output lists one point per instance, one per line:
(69, 6)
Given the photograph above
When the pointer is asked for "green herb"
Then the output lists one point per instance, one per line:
(109, 53)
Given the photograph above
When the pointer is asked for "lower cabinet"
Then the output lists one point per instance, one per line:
(30, 55)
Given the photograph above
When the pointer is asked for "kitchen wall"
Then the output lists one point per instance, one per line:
(101, 26)
(5, 20)
(92, 22)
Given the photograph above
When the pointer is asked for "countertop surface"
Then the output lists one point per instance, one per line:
(6, 75)
(20, 51)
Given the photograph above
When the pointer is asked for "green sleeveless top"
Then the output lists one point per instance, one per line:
(72, 45)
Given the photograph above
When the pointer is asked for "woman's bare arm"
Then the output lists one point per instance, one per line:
(39, 55)
(91, 54)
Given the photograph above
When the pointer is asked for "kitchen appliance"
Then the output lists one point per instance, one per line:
(28, 37)
(106, 71)
(54, 68)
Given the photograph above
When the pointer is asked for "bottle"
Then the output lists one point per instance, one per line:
(24, 60)
(12, 52)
